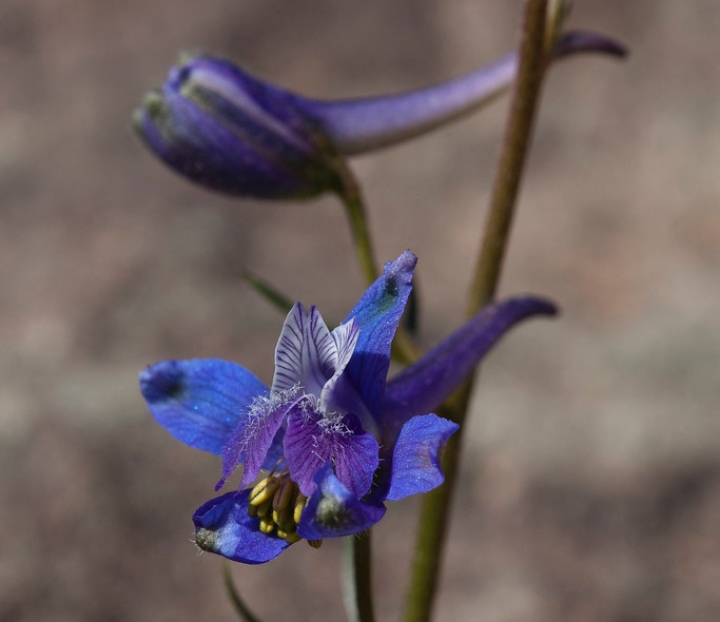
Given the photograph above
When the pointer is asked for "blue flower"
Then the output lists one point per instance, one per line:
(222, 128)
(331, 439)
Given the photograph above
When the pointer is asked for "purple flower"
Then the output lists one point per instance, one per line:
(221, 128)
(331, 440)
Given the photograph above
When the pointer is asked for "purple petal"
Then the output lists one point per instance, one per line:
(416, 461)
(305, 354)
(253, 443)
(377, 315)
(423, 386)
(333, 511)
(312, 442)
(223, 526)
(200, 401)
(355, 456)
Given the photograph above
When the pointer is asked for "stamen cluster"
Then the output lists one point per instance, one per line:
(277, 501)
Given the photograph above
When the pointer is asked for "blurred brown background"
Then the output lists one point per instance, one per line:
(591, 481)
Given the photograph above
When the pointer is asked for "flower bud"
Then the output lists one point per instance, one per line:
(227, 131)
(232, 133)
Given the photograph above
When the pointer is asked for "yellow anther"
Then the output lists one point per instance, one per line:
(283, 518)
(300, 503)
(284, 496)
(285, 533)
(264, 509)
(264, 490)
(267, 526)
(277, 502)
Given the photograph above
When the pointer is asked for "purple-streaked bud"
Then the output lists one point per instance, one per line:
(225, 130)
(233, 133)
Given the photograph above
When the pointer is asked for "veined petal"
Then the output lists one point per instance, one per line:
(416, 460)
(200, 401)
(423, 386)
(345, 337)
(377, 315)
(320, 352)
(333, 511)
(288, 351)
(312, 441)
(306, 354)
(223, 526)
(338, 394)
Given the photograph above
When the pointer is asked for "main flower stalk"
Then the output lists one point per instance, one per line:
(525, 96)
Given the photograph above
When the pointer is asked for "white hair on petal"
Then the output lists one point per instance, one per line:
(262, 405)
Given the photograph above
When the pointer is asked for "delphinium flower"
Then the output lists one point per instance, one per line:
(222, 128)
(331, 440)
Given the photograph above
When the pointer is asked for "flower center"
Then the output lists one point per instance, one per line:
(277, 501)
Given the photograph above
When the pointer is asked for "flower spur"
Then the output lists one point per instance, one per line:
(337, 439)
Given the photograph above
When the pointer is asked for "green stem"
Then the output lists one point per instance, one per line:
(351, 197)
(268, 291)
(518, 133)
(240, 607)
(357, 587)
(431, 536)
(436, 505)
(404, 350)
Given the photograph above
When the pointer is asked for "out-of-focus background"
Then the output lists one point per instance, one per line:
(590, 487)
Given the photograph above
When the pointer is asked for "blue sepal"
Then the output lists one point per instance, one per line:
(416, 457)
(377, 315)
(423, 386)
(200, 401)
(223, 526)
(333, 511)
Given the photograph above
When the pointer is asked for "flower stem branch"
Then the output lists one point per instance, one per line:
(430, 539)
(240, 607)
(355, 208)
(403, 350)
(436, 505)
(357, 587)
